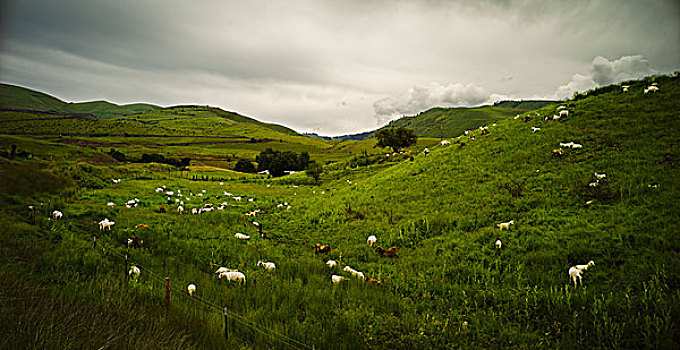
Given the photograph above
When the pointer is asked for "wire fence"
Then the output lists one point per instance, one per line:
(283, 339)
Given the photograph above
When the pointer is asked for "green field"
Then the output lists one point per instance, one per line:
(64, 284)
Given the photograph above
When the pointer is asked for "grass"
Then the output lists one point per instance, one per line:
(449, 287)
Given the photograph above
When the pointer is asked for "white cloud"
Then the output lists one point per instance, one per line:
(422, 97)
(605, 72)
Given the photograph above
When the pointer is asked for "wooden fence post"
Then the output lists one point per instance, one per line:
(167, 291)
(226, 325)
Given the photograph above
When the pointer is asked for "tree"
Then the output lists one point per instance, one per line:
(396, 138)
(245, 166)
(314, 171)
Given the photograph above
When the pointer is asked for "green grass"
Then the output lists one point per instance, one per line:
(449, 288)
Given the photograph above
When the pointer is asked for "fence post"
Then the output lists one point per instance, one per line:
(226, 325)
(127, 274)
(167, 291)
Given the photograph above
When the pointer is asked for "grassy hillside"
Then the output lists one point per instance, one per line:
(454, 121)
(20, 98)
(449, 288)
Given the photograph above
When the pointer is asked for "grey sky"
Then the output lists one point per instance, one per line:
(333, 67)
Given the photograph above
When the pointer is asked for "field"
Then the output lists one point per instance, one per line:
(65, 284)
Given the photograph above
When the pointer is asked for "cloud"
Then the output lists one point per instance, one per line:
(605, 72)
(422, 97)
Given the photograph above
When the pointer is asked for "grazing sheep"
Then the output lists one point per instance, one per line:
(331, 263)
(577, 145)
(564, 113)
(499, 244)
(426, 151)
(57, 215)
(135, 241)
(561, 107)
(337, 279)
(354, 272)
(600, 176)
(388, 253)
(625, 88)
(111, 204)
(104, 224)
(321, 248)
(223, 269)
(191, 289)
(445, 142)
(594, 183)
(556, 117)
(159, 189)
(506, 225)
(651, 89)
(372, 281)
(180, 210)
(134, 272)
(233, 276)
(194, 211)
(238, 199)
(566, 144)
(267, 265)
(534, 129)
(576, 272)
(241, 236)
(371, 239)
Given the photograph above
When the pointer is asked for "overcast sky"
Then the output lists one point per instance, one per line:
(332, 67)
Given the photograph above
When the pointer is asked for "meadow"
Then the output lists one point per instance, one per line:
(65, 283)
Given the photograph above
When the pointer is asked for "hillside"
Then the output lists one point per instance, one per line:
(20, 98)
(449, 287)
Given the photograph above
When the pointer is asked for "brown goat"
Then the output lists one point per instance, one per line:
(388, 253)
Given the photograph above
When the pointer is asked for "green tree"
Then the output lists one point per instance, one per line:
(314, 171)
(396, 138)
(245, 166)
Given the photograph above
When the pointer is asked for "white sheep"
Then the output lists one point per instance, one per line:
(564, 113)
(354, 272)
(104, 224)
(600, 176)
(57, 215)
(194, 211)
(111, 204)
(371, 239)
(506, 225)
(337, 279)
(180, 210)
(499, 244)
(159, 189)
(445, 142)
(594, 183)
(566, 144)
(651, 89)
(575, 272)
(331, 263)
(238, 199)
(534, 129)
(233, 276)
(267, 265)
(556, 117)
(561, 107)
(241, 236)
(223, 269)
(625, 88)
(191, 289)
(134, 272)
(577, 145)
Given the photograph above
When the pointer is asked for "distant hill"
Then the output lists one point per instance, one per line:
(350, 137)
(20, 98)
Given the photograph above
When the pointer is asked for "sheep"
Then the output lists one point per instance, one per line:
(233, 276)
(321, 248)
(267, 265)
(194, 211)
(110, 204)
(426, 151)
(556, 117)
(577, 145)
(506, 225)
(238, 199)
(241, 236)
(625, 88)
(534, 129)
(337, 279)
(331, 263)
(566, 144)
(388, 253)
(191, 289)
(372, 281)
(557, 152)
(371, 239)
(575, 272)
(135, 241)
(104, 224)
(134, 272)
(499, 244)
(561, 107)
(651, 89)
(159, 189)
(180, 210)
(57, 215)
(594, 183)
(223, 269)
(115, 181)
(354, 272)
(445, 142)
(600, 176)
(564, 113)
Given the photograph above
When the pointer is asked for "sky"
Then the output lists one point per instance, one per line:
(332, 67)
